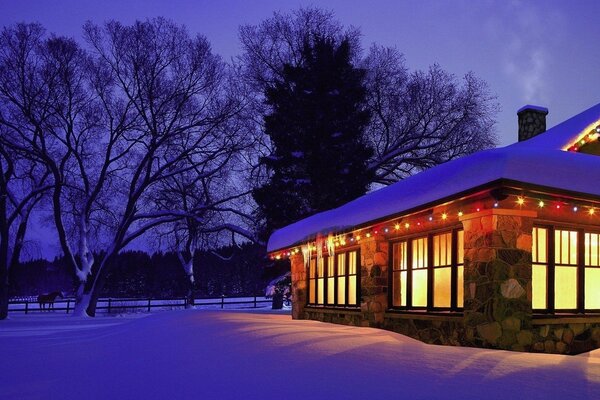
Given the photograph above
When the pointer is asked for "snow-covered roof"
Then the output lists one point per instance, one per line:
(540, 160)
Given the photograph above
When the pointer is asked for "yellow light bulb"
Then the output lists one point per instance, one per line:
(460, 213)
(591, 211)
(444, 216)
(520, 201)
(541, 203)
(397, 226)
(357, 237)
(407, 225)
(368, 235)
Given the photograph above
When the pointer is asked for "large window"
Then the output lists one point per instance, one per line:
(427, 272)
(334, 281)
(565, 270)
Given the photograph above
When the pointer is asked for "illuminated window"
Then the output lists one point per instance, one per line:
(442, 270)
(312, 282)
(419, 272)
(399, 274)
(565, 270)
(330, 280)
(539, 273)
(334, 281)
(592, 271)
(460, 268)
(352, 277)
(428, 272)
(341, 277)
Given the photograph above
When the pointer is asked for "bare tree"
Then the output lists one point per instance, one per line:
(419, 119)
(424, 118)
(24, 106)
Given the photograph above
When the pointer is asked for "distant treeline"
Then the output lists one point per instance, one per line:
(232, 271)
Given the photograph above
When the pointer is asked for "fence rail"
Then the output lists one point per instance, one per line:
(117, 305)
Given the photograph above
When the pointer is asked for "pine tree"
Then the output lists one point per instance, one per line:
(316, 129)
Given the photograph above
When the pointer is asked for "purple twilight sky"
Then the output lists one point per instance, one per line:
(529, 52)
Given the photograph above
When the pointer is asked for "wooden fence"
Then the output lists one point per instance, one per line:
(120, 305)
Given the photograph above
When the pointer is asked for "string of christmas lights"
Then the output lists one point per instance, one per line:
(393, 228)
(589, 138)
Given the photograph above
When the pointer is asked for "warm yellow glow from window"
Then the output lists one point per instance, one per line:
(312, 282)
(565, 288)
(592, 288)
(538, 287)
(460, 247)
(352, 272)
(460, 290)
(320, 281)
(399, 266)
(565, 247)
(441, 287)
(419, 273)
(330, 280)
(341, 272)
(419, 288)
(539, 271)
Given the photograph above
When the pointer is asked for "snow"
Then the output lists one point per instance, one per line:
(539, 161)
(249, 355)
(532, 107)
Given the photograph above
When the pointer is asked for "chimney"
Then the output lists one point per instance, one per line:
(532, 121)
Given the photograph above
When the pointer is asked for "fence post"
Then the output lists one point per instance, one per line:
(68, 305)
(254, 301)
(26, 307)
(109, 304)
(148, 305)
(222, 300)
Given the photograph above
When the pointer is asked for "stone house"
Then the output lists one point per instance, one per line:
(499, 249)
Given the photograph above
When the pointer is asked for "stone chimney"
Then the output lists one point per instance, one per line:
(532, 121)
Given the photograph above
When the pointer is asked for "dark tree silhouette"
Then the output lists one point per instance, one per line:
(316, 128)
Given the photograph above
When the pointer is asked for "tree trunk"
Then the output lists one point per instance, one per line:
(190, 294)
(98, 285)
(82, 300)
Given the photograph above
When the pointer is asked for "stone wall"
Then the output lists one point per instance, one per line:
(497, 278)
(299, 285)
(374, 279)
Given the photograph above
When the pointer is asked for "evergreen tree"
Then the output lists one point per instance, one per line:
(316, 127)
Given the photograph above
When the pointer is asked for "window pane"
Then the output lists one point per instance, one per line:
(352, 290)
(573, 247)
(591, 249)
(330, 267)
(460, 246)
(341, 288)
(460, 290)
(320, 290)
(419, 288)
(419, 255)
(330, 290)
(341, 264)
(441, 287)
(313, 291)
(352, 263)
(592, 288)
(538, 287)
(565, 287)
(312, 268)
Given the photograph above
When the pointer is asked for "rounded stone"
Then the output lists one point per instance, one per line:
(568, 336)
(549, 346)
(562, 347)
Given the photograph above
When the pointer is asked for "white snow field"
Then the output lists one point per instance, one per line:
(202, 354)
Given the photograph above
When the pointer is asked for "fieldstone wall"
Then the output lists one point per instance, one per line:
(299, 285)
(497, 276)
(374, 280)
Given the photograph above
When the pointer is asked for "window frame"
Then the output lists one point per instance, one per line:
(551, 265)
(430, 271)
(334, 289)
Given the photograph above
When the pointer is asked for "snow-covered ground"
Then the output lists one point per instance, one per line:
(203, 354)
